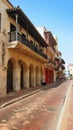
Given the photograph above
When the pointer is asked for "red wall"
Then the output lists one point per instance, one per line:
(48, 75)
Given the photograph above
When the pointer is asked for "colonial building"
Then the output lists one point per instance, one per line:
(25, 57)
(70, 70)
(55, 68)
(60, 65)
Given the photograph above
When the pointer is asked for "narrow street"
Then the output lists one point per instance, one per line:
(40, 111)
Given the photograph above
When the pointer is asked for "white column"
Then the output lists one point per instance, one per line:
(39, 78)
(43, 74)
(33, 80)
(16, 78)
(26, 78)
(55, 75)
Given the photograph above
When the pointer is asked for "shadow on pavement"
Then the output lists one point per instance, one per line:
(53, 85)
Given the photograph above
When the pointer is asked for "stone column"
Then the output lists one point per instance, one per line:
(55, 75)
(39, 78)
(34, 78)
(16, 78)
(26, 78)
(43, 74)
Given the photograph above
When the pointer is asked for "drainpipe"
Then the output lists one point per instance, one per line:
(16, 27)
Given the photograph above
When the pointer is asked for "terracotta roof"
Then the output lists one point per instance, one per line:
(70, 64)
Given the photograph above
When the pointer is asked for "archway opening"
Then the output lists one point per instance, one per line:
(9, 76)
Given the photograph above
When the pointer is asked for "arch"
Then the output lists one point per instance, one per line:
(23, 64)
(10, 65)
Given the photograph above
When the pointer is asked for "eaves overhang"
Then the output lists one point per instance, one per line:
(62, 61)
(63, 67)
(9, 3)
(51, 37)
(26, 24)
(56, 59)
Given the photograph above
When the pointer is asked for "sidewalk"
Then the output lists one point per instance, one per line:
(67, 119)
(15, 96)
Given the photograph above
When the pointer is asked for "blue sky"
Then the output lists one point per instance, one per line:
(56, 16)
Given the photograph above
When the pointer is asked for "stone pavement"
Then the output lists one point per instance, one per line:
(58, 97)
(40, 111)
(66, 119)
(15, 96)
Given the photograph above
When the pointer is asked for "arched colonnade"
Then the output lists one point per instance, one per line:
(20, 75)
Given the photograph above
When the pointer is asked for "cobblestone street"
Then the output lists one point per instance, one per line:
(40, 111)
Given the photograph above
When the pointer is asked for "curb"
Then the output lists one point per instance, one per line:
(19, 98)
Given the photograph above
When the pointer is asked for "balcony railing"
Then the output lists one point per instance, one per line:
(52, 46)
(52, 62)
(21, 38)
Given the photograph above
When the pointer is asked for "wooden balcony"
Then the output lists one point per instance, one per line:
(51, 51)
(24, 46)
(57, 59)
(52, 63)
